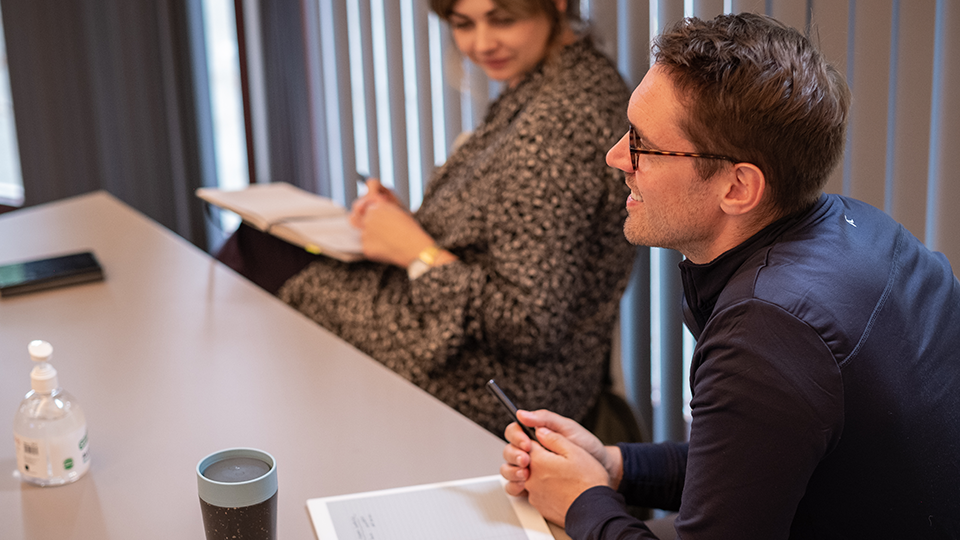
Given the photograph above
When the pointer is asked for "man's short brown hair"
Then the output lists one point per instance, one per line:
(759, 91)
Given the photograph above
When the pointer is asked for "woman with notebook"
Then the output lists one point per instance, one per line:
(513, 266)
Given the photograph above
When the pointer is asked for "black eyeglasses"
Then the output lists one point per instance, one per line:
(635, 152)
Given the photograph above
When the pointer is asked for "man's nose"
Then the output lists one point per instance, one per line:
(619, 155)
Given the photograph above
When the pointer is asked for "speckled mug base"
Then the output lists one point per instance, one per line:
(256, 522)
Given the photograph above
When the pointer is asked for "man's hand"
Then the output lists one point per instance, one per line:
(570, 461)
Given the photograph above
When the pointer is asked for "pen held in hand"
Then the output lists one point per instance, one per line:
(511, 408)
(377, 187)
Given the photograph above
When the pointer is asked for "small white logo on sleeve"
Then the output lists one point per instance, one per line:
(848, 220)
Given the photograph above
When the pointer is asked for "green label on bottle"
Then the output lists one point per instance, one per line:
(68, 464)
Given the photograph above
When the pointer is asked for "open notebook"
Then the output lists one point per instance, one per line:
(315, 223)
(472, 509)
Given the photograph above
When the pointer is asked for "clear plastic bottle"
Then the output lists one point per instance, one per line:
(50, 430)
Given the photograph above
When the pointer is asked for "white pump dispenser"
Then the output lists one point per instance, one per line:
(50, 430)
(43, 377)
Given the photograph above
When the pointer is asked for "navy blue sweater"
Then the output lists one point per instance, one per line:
(826, 392)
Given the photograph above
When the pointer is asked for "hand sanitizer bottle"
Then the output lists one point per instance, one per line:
(49, 430)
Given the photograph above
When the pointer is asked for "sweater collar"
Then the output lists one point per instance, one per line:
(703, 283)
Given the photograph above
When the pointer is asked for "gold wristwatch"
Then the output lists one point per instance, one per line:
(426, 260)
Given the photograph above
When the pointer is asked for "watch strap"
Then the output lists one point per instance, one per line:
(425, 260)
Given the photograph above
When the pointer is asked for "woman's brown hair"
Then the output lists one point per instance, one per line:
(522, 9)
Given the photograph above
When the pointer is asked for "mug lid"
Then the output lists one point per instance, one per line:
(237, 494)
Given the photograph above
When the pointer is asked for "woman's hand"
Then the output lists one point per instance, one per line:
(375, 192)
(388, 232)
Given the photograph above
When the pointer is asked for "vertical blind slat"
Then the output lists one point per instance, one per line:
(669, 12)
(751, 6)
(341, 164)
(869, 72)
(707, 9)
(911, 129)
(315, 61)
(670, 424)
(368, 89)
(829, 29)
(452, 105)
(395, 117)
(791, 12)
(256, 88)
(603, 26)
(944, 202)
(422, 41)
(633, 32)
(417, 90)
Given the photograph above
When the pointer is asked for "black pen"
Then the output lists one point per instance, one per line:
(383, 190)
(511, 408)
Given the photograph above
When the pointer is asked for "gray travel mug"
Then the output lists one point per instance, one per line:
(238, 494)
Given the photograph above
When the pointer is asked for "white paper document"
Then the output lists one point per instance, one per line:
(317, 224)
(473, 509)
(265, 205)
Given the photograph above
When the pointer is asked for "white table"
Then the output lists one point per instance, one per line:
(174, 356)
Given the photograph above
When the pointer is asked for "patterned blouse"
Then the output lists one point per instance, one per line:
(535, 217)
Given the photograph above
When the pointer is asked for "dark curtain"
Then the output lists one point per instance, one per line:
(287, 78)
(112, 95)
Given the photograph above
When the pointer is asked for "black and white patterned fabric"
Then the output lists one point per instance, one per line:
(535, 216)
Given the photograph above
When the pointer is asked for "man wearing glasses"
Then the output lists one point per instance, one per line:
(826, 375)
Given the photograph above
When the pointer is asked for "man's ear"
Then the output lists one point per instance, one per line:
(744, 190)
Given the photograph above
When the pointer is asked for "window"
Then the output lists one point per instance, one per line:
(11, 178)
(226, 105)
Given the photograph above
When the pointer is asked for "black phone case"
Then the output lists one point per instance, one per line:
(48, 273)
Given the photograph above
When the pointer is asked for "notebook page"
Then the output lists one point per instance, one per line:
(474, 509)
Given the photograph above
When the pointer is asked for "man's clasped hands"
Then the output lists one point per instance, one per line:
(567, 461)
